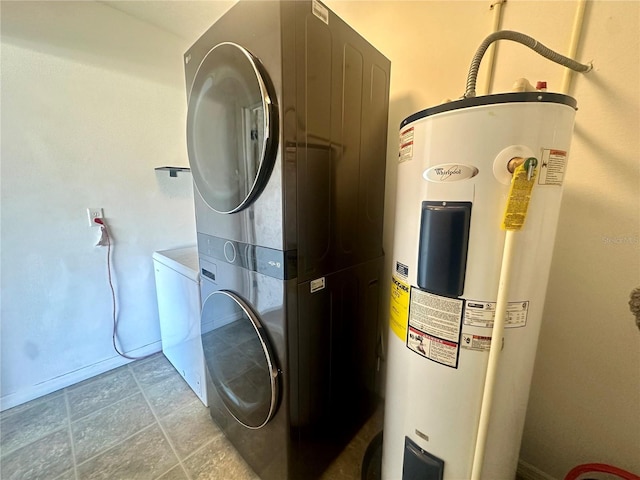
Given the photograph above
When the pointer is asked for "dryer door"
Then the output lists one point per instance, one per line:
(232, 128)
(239, 359)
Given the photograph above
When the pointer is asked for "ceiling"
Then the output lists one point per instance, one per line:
(185, 18)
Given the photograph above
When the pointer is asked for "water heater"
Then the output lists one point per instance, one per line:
(454, 183)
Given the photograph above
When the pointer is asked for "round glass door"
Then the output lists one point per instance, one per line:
(239, 359)
(232, 128)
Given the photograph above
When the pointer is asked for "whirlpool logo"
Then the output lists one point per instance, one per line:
(449, 172)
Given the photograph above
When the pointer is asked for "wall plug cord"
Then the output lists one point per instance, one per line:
(105, 240)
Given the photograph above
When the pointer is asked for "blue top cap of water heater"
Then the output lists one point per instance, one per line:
(514, 97)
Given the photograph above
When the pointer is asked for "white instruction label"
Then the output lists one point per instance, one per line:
(435, 315)
(434, 326)
(482, 314)
(406, 145)
(552, 167)
(317, 284)
(402, 270)
(320, 11)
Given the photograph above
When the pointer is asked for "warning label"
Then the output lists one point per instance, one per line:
(552, 169)
(406, 145)
(482, 314)
(434, 327)
(519, 195)
(475, 342)
(399, 307)
(433, 348)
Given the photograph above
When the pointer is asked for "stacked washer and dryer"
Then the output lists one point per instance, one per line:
(286, 133)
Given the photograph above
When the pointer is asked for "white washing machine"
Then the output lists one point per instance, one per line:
(178, 290)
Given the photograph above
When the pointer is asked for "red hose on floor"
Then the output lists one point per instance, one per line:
(575, 472)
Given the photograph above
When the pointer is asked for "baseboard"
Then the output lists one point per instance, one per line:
(71, 378)
(526, 471)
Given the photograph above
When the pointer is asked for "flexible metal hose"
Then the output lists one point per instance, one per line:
(524, 40)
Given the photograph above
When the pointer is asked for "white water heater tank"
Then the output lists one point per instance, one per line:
(453, 184)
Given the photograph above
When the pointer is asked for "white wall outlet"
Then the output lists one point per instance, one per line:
(93, 214)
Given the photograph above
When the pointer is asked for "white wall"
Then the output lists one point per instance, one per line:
(585, 399)
(92, 101)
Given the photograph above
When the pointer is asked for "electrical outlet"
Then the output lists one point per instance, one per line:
(94, 213)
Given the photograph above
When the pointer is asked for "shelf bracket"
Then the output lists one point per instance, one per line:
(173, 171)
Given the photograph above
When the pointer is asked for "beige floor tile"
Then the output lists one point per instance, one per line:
(43, 459)
(169, 395)
(91, 395)
(176, 473)
(189, 428)
(30, 424)
(68, 475)
(153, 370)
(145, 456)
(25, 406)
(218, 460)
(95, 433)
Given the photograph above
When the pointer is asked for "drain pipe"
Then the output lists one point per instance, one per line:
(494, 353)
(522, 182)
(576, 31)
(492, 50)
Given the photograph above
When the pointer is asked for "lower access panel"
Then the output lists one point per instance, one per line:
(334, 360)
(419, 464)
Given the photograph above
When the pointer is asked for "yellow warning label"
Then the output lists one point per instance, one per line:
(519, 195)
(399, 308)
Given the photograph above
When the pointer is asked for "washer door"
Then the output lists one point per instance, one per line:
(232, 128)
(239, 359)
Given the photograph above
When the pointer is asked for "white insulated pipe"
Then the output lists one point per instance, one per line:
(491, 51)
(494, 353)
(576, 31)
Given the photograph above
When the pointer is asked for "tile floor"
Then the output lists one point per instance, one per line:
(137, 422)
